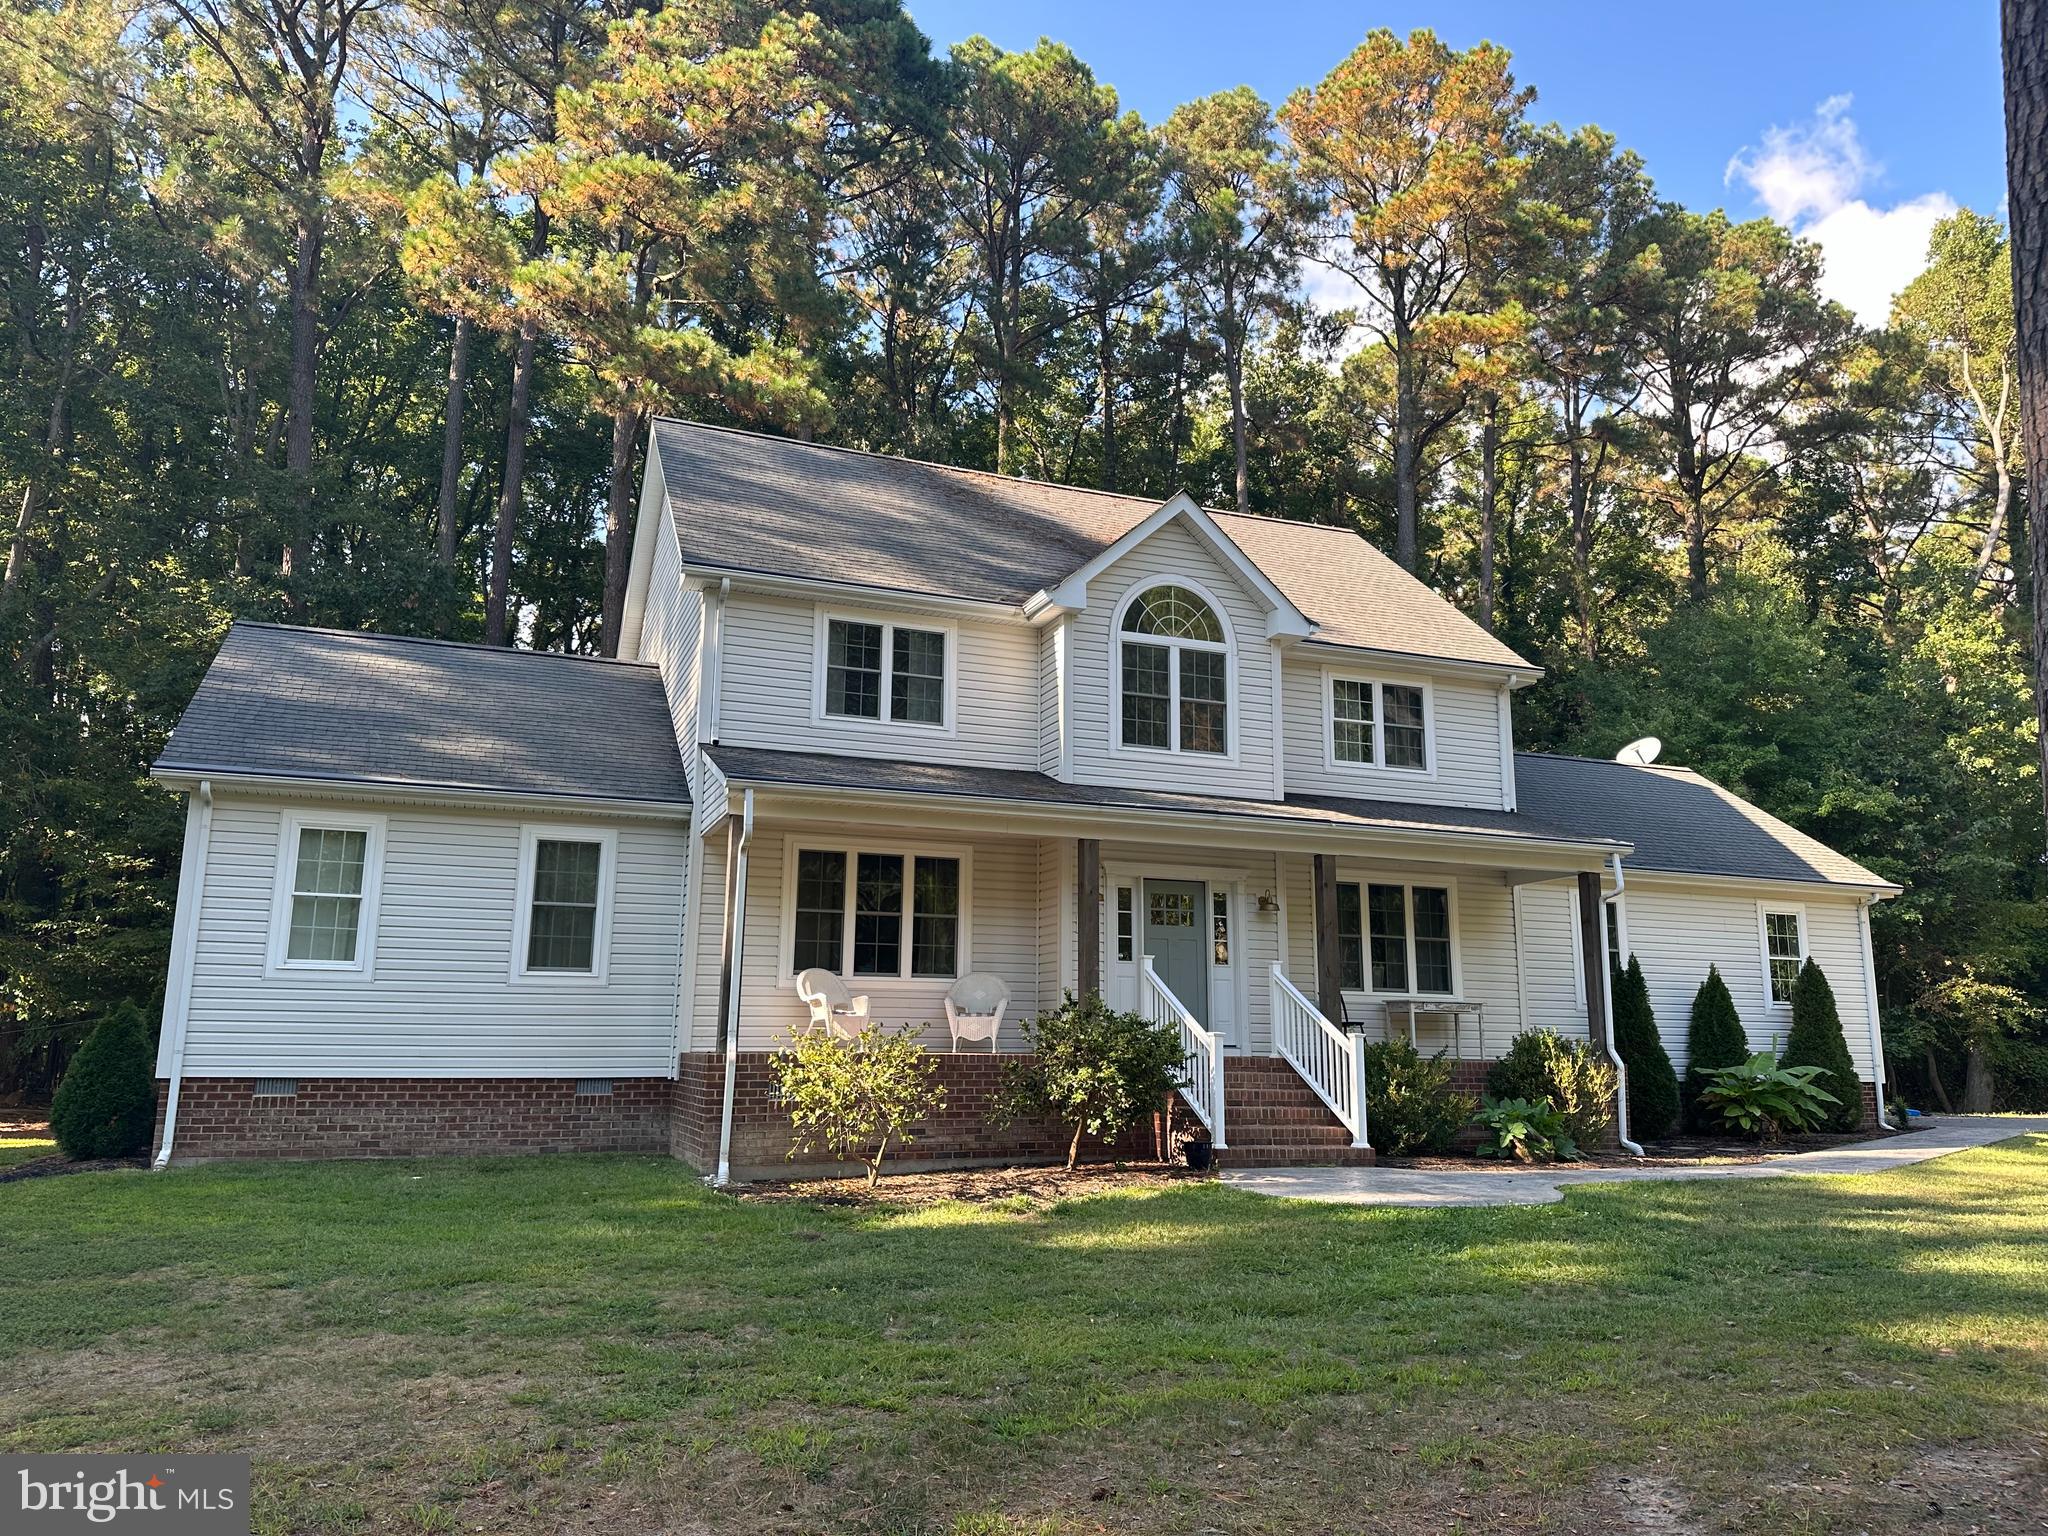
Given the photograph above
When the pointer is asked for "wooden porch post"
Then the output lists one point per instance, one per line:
(1088, 909)
(1329, 964)
(1593, 956)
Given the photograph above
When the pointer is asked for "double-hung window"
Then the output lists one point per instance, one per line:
(563, 925)
(1376, 724)
(1173, 674)
(876, 669)
(1396, 938)
(875, 913)
(325, 912)
(1784, 940)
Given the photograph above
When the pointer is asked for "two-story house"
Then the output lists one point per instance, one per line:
(901, 723)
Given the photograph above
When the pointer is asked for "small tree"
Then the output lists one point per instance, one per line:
(1652, 1083)
(846, 1097)
(1094, 1070)
(106, 1103)
(1577, 1080)
(1816, 1041)
(1713, 1040)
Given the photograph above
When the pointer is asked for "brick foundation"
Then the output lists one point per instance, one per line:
(414, 1116)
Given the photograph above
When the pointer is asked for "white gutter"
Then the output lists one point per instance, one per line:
(1607, 991)
(1870, 1004)
(188, 777)
(184, 945)
(737, 918)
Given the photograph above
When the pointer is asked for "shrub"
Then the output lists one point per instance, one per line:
(1816, 1041)
(1095, 1070)
(1713, 1040)
(1762, 1098)
(1528, 1130)
(106, 1104)
(1578, 1081)
(1652, 1083)
(852, 1098)
(1410, 1105)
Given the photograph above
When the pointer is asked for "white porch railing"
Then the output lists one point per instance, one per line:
(1330, 1060)
(1202, 1052)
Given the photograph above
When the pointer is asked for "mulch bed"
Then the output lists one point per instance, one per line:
(1037, 1186)
(57, 1162)
(1677, 1152)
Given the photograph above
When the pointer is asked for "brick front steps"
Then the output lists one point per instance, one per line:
(1272, 1119)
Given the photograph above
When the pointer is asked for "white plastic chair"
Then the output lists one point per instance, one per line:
(832, 1003)
(974, 1007)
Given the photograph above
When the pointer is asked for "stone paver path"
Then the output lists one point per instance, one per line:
(1430, 1187)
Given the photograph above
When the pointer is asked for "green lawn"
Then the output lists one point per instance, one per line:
(21, 1148)
(601, 1344)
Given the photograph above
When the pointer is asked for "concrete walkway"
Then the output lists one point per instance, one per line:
(1431, 1187)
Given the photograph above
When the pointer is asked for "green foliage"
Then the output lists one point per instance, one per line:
(852, 1098)
(1095, 1070)
(1652, 1082)
(1528, 1130)
(106, 1104)
(1713, 1039)
(1763, 1099)
(1410, 1106)
(1577, 1080)
(1816, 1041)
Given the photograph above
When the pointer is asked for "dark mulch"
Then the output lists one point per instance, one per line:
(1678, 1151)
(57, 1162)
(1034, 1186)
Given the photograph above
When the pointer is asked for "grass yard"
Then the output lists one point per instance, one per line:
(600, 1344)
(22, 1147)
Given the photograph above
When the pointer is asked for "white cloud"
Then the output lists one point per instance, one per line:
(1810, 176)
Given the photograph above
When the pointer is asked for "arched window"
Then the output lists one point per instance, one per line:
(1175, 672)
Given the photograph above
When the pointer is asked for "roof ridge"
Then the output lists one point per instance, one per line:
(1577, 757)
(456, 645)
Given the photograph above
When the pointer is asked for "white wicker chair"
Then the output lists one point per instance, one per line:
(974, 1007)
(832, 1003)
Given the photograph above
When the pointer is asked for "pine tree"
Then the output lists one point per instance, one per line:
(1816, 1041)
(1714, 1039)
(1652, 1084)
(106, 1103)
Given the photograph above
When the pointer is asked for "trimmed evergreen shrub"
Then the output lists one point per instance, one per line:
(1578, 1081)
(1816, 1041)
(1410, 1105)
(1652, 1081)
(1712, 1041)
(106, 1104)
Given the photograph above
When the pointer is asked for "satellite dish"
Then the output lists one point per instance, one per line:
(1641, 752)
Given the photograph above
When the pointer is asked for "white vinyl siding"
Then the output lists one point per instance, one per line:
(1464, 736)
(769, 685)
(1050, 721)
(442, 1002)
(673, 639)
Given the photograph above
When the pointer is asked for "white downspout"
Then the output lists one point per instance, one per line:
(732, 999)
(1607, 992)
(184, 948)
(1877, 1077)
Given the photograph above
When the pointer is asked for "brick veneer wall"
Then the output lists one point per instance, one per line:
(413, 1116)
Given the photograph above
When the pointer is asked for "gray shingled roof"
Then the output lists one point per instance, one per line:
(1678, 821)
(819, 770)
(282, 701)
(743, 501)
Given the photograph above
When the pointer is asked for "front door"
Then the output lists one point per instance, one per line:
(1177, 940)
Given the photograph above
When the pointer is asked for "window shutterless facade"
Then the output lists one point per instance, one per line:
(877, 670)
(324, 912)
(1373, 723)
(1782, 930)
(1173, 673)
(563, 922)
(1397, 938)
(878, 913)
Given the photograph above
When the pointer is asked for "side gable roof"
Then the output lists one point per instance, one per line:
(285, 702)
(745, 502)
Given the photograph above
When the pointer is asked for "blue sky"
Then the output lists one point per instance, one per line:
(1858, 124)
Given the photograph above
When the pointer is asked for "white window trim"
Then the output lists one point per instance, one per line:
(290, 825)
(963, 956)
(890, 623)
(531, 836)
(1233, 715)
(1378, 767)
(1763, 944)
(1446, 883)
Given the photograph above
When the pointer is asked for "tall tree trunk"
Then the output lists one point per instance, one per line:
(1105, 369)
(1407, 410)
(518, 413)
(1579, 498)
(300, 399)
(53, 441)
(445, 527)
(1233, 378)
(1695, 549)
(2023, 28)
(1489, 499)
(618, 525)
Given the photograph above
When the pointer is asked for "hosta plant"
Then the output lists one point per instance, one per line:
(1761, 1099)
(1528, 1130)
